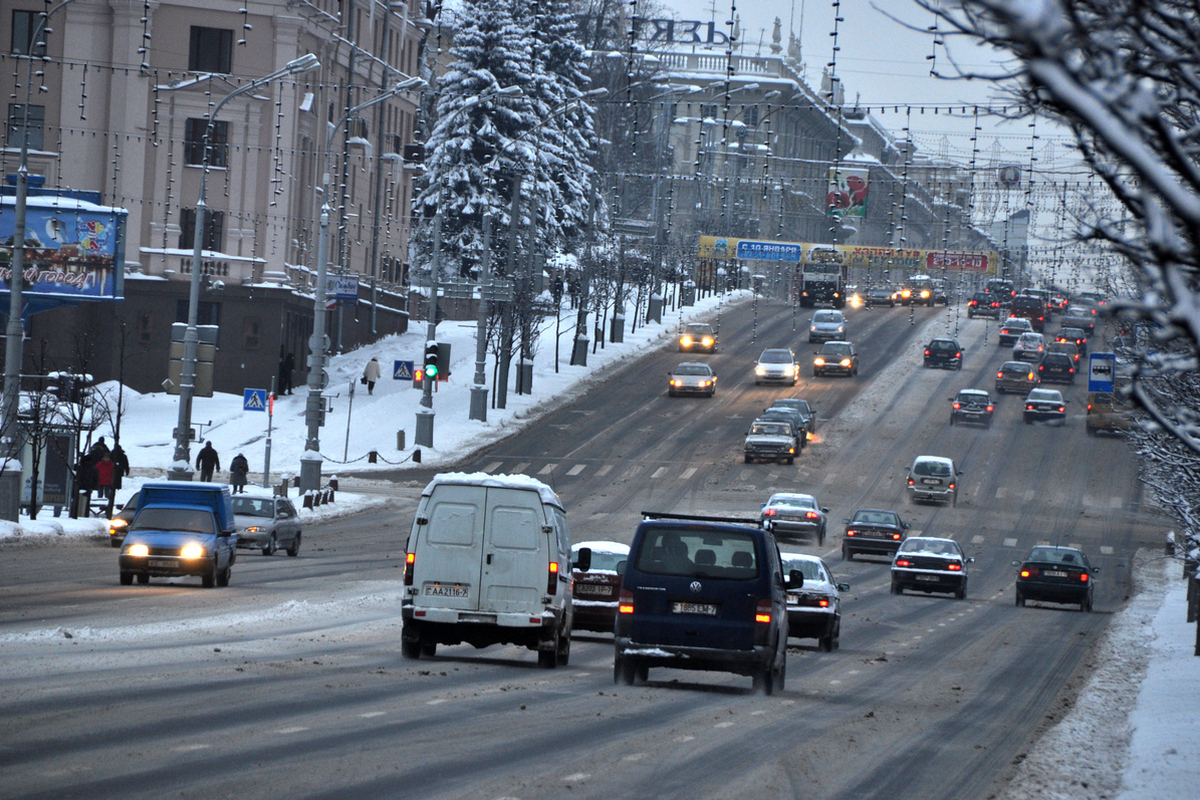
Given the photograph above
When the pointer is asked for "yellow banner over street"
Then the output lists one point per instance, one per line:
(721, 248)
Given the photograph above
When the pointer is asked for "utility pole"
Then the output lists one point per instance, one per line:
(479, 387)
(425, 414)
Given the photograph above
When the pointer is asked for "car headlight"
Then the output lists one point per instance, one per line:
(789, 370)
(818, 362)
(845, 362)
(707, 341)
(117, 526)
(841, 329)
(138, 550)
(254, 528)
(192, 551)
(760, 370)
(686, 341)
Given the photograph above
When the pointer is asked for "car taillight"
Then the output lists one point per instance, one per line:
(552, 579)
(812, 515)
(1029, 376)
(896, 536)
(823, 602)
(903, 563)
(999, 374)
(991, 409)
(926, 352)
(1030, 572)
(957, 406)
(951, 486)
(911, 482)
(410, 561)
(954, 567)
(1028, 407)
(852, 533)
(1089, 408)
(1062, 409)
(762, 612)
(625, 603)
(769, 512)
(958, 355)
(1071, 370)
(1083, 577)
(1040, 368)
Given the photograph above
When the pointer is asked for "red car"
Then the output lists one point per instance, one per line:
(594, 593)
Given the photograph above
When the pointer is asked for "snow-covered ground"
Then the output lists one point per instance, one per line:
(1133, 732)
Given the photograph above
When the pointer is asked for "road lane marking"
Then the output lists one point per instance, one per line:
(687, 473)
(370, 714)
(723, 725)
(578, 776)
(976, 540)
(188, 748)
(1116, 502)
(297, 729)
(1028, 495)
(524, 465)
(683, 739)
(1001, 492)
(575, 470)
(632, 472)
(1010, 542)
(607, 468)
(546, 470)
(436, 701)
(658, 473)
(634, 757)
(1076, 545)
(1043, 543)
(1106, 550)
(757, 713)
(492, 467)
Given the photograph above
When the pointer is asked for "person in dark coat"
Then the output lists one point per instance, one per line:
(208, 462)
(285, 374)
(120, 465)
(238, 469)
(99, 449)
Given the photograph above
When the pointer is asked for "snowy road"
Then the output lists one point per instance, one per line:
(289, 682)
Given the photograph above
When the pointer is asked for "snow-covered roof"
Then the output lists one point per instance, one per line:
(616, 548)
(63, 204)
(494, 482)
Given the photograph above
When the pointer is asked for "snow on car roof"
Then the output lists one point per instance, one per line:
(792, 499)
(616, 548)
(494, 482)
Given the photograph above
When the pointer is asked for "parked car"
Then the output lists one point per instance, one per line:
(826, 326)
(1045, 405)
(267, 523)
(1030, 347)
(776, 365)
(691, 377)
(930, 564)
(1105, 414)
(698, 337)
(873, 531)
(972, 405)
(1012, 329)
(1016, 376)
(703, 595)
(815, 610)
(1057, 368)
(836, 358)
(790, 515)
(1057, 575)
(983, 304)
(770, 440)
(594, 593)
(943, 354)
(933, 478)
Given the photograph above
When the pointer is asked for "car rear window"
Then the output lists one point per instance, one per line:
(702, 554)
(935, 469)
(1053, 555)
(876, 518)
(943, 346)
(811, 570)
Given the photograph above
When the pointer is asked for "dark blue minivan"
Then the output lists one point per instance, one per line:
(703, 593)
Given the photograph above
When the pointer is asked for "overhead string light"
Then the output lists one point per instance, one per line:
(246, 26)
(832, 99)
(730, 70)
(936, 38)
(143, 50)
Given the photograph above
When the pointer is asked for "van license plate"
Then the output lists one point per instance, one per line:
(446, 591)
(159, 562)
(1053, 573)
(707, 609)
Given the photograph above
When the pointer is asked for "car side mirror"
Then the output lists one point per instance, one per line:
(960, 472)
(584, 561)
(224, 533)
(845, 522)
(824, 510)
(843, 587)
(1095, 569)
(621, 567)
(795, 579)
(971, 560)
(906, 525)
(1016, 563)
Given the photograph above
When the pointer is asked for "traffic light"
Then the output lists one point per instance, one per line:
(431, 359)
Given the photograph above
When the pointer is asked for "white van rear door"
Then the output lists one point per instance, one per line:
(447, 563)
(515, 563)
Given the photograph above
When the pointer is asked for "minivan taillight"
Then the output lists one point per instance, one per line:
(409, 561)
(552, 578)
(762, 613)
(625, 604)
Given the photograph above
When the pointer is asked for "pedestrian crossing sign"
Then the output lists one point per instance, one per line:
(402, 370)
(254, 400)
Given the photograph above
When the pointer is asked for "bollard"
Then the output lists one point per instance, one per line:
(372, 457)
(399, 441)
(308, 500)
(333, 482)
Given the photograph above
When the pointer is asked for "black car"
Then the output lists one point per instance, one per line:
(814, 611)
(703, 594)
(1056, 575)
(837, 358)
(1057, 368)
(806, 411)
(790, 415)
(972, 405)
(943, 354)
(1074, 335)
(1045, 405)
(880, 296)
(983, 304)
(928, 564)
(873, 531)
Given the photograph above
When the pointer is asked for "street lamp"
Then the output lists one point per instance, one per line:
(10, 445)
(310, 462)
(181, 467)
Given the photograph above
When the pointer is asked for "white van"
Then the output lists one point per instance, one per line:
(489, 562)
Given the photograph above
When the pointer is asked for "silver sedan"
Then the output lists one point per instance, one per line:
(266, 523)
(692, 377)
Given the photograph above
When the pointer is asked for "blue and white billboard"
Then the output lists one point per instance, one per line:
(1102, 372)
(73, 249)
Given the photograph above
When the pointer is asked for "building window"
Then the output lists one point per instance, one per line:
(193, 142)
(214, 230)
(145, 327)
(211, 50)
(709, 111)
(207, 313)
(750, 117)
(250, 330)
(23, 25)
(35, 130)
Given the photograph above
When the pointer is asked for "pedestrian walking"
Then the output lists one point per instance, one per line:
(371, 374)
(208, 462)
(286, 365)
(85, 484)
(238, 469)
(99, 449)
(104, 475)
(120, 466)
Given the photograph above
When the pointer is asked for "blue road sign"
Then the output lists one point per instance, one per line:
(254, 400)
(1102, 372)
(768, 251)
(402, 371)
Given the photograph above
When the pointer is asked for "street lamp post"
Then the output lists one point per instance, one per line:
(310, 461)
(181, 467)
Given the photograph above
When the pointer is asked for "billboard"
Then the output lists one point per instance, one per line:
(73, 249)
(847, 195)
(722, 248)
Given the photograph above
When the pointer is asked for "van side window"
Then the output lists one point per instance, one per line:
(564, 532)
(515, 527)
(452, 523)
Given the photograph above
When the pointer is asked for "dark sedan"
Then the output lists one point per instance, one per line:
(837, 358)
(943, 354)
(1045, 405)
(814, 610)
(1057, 368)
(1012, 329)
(808, 413)
(873, 531)
(972, 405)
(789, 515)
(1056, 575)
(983, 304)
(928, 564)
(1076, 336)
(594, 593)
(880, 296)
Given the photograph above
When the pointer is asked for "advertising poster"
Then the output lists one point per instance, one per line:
(847, 192)
(72, 248)
(825, 256)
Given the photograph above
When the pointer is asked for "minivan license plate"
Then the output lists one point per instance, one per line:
(930, 481)
(707, 609)
(446, 591)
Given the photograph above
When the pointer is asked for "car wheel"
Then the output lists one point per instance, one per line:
(564, 651)
(847, 554)
(271, 546)
(143, 578)
(961, 593)
(127, 579)
(748, 459)
(897, 588)
(624, 671)
(764, 681)
(115, 542)
(294, 548)
(821, 538)
(670, 392)
(209, 580)
(548, 658)
(951, 419)
(1020, 599)
(1086, 605)
(641, 673)
(837, 633)
(825, 644)
(223, 576)
(791, 461)
(1028, 421)
(410, 647)
(428, 649)
(988, 424)
(781, 675)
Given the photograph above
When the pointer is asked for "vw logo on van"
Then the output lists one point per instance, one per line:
(695, 587)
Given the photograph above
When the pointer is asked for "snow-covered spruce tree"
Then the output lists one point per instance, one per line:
(473, 151)
(1124, 75)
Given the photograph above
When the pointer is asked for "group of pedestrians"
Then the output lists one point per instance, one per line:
(208, 461)
(102, 470)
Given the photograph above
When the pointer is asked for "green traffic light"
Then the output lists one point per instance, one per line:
(431, 370)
